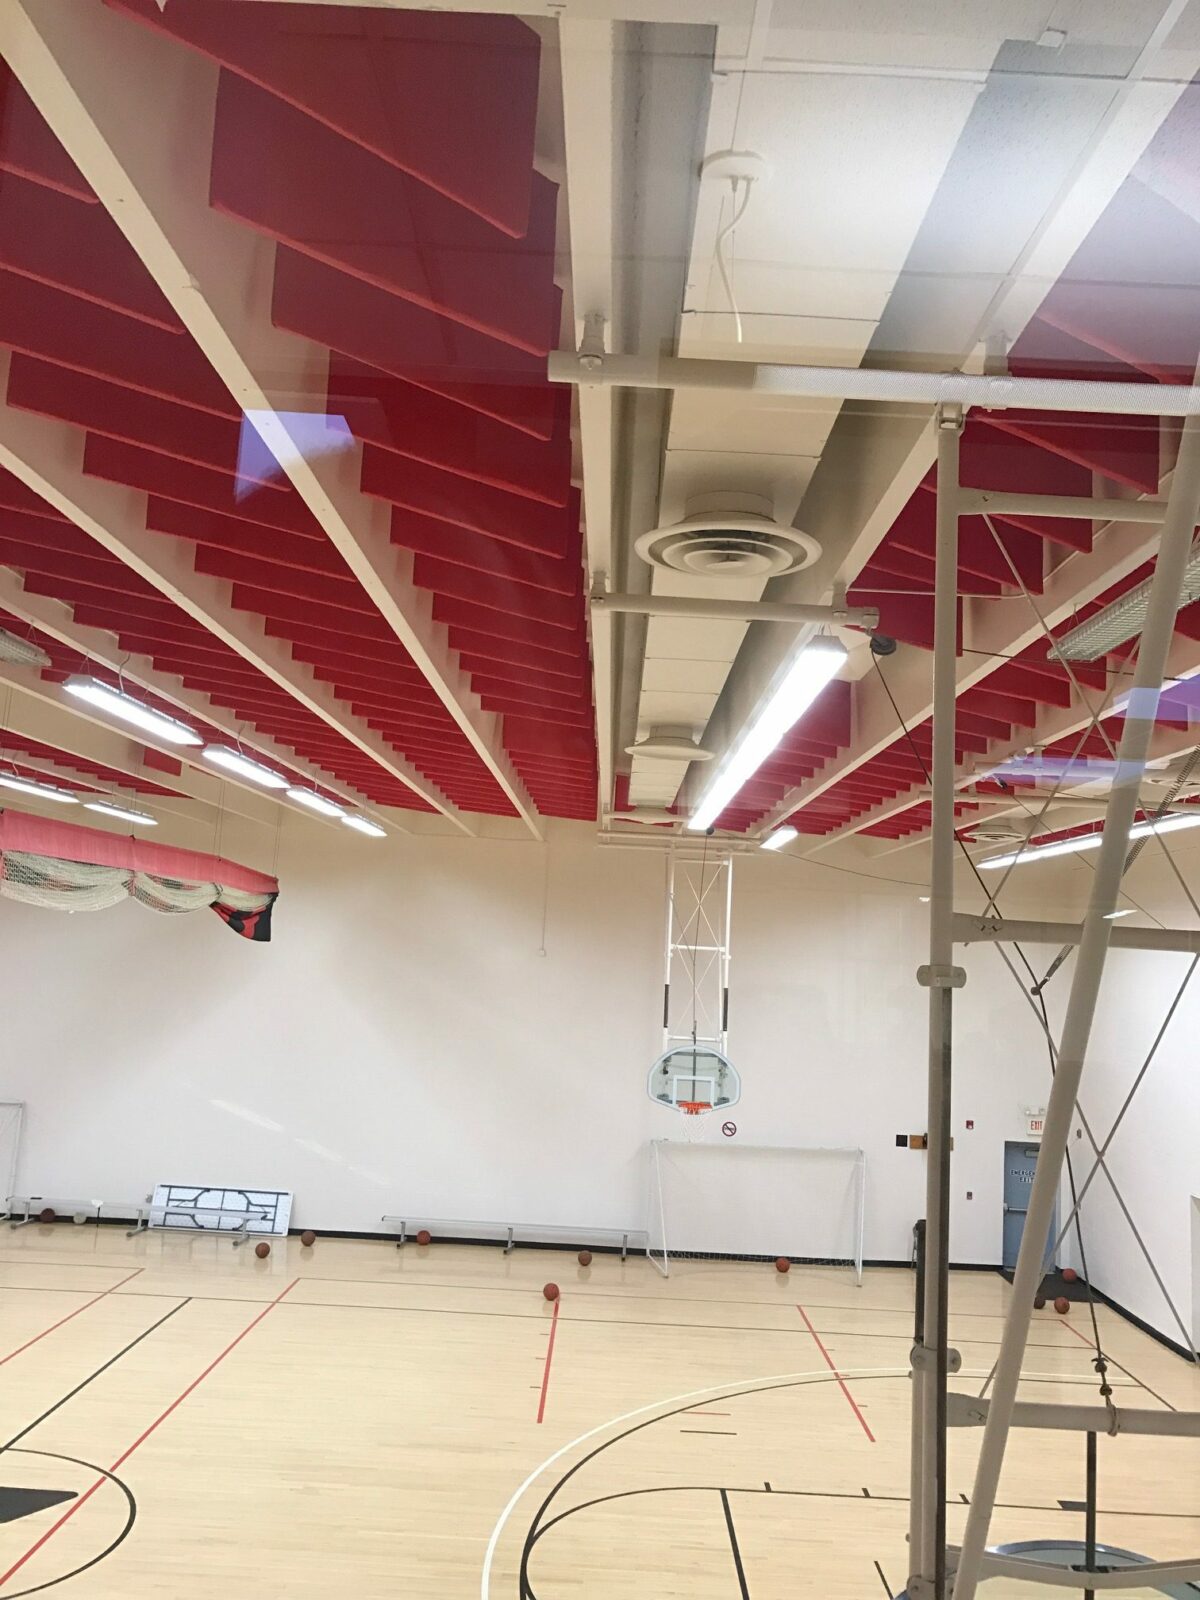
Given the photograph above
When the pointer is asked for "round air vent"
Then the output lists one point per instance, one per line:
(997, 833)
(669, 744)
(728, 536)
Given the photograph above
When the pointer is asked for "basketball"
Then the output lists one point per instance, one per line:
(585, 1258)
(551, 1291)
(1069, 1275)
(783, 1264)
(79, 1218)
(1062, 1305)
(1039, 1303)
(424, 1237)
(308, 1238)
(262, 1249)
(47, 1214)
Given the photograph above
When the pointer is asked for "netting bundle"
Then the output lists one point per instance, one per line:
(84, 869)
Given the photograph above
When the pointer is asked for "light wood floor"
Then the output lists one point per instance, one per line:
(356, 1421)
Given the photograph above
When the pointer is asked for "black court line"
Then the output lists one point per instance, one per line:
(71, 1393)
(724, 1433)
(887, 1588)
(737, 1554)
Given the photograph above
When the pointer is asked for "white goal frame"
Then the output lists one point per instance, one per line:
(658, 1218)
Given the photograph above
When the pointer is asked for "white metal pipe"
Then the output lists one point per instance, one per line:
(971, 1411)
(1183, 506)
(999, 502)
(869, 383)
(670, 605)
(1000, 930)
(928, 1540)
(1142, 1575)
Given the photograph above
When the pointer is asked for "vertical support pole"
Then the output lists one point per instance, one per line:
(1179, 521)
(726, 954)
(1089, 1523)
(927, 1533)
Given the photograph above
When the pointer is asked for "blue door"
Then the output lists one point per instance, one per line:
(1019, 1162)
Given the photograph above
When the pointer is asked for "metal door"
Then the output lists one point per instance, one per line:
(1019, 1163)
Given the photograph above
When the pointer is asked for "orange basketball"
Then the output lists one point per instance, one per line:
(1039, 1303)
(262, 1249)
(1069, 1275)
(551, 1291)
(308, 1238)
(424, 1237)
(585, 1258)
(783, 1264)
(47, 1214)
(1062, 1305)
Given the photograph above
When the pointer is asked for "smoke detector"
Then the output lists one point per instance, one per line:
(21, 651)
(669, 744)
(728, 535)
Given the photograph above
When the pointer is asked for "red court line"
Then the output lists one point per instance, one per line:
(546, 1371)
(829, 1363)
(143, 1436)
(68, 1317)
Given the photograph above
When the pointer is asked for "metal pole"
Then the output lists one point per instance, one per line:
(932, 1357)
(798, 613)
(1183, 505)
(1089, 1524)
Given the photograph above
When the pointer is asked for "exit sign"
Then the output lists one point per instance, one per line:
(1035, 1121)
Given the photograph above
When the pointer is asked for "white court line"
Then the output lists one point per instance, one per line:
(717, 1391)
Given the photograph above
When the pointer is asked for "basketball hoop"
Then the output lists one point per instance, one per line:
(693, 1108)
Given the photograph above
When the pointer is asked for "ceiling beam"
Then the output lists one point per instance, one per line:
(48, 457)
(586, 55)
(101, 81)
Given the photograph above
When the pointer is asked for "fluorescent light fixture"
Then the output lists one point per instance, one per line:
(1060, 847)
(242, 767)
(22, 651)
(1088, 841)
(813, 670)
(364, 825)
(108, 808)
(127, 709)
(315, 802)
(781, 836)
(1111, 916)
(924, 899)
(40, 791)
(1123, 619)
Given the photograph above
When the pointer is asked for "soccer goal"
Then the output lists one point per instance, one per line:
(756, 1202)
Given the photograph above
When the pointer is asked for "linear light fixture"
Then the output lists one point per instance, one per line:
(1089, 841)
(813, 670)
(41, 791)
(315, 802)
(364, 825)
(127, 709)
(242, 767)
(1111, 916)
(21, 651)
(781, 836)
(1123, 619)
(107, 808)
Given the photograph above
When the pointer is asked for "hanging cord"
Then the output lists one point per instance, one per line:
(1100, 1361)
(725, 263)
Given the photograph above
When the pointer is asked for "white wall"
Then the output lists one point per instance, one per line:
(404, 1045)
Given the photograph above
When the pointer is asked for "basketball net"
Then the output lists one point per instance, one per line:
(696, 1115)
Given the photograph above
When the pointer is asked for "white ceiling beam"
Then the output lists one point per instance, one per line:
(714, 12)
(104, 83)
(48, 457)
(586, 56)
(55, 619)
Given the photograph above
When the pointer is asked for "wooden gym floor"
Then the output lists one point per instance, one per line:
(181, 1419)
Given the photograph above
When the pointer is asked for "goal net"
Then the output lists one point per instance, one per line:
(755, 1203)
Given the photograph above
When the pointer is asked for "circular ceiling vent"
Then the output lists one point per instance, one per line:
(995, 833)
(728, 536)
